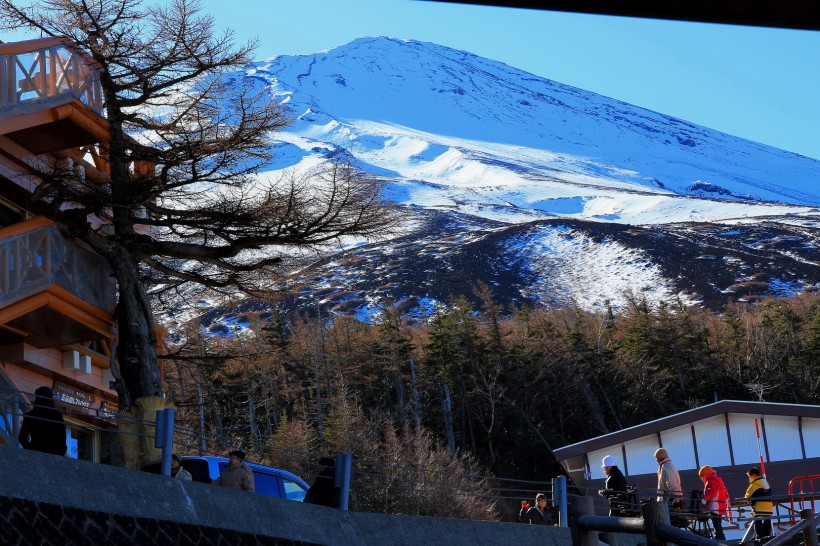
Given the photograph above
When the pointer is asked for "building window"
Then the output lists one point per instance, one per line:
(81, 443)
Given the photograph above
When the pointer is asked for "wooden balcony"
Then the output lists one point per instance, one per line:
(52, 291)
(50, 96)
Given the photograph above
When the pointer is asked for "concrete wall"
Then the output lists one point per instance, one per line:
(47, 499)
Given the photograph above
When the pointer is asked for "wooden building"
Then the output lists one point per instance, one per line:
(722, 435)
(57, 297)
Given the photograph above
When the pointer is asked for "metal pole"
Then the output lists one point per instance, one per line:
(164, 438)
(344, 464)
(750, 530)
(759, 451)
(582, 506)
(559, 499)
(810, 532)
(655, 514)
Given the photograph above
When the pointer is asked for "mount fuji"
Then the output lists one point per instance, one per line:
(550, 194)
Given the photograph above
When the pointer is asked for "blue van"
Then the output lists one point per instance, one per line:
(270, 481)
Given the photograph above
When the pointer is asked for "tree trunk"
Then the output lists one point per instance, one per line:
(137, 346)
(254, 428)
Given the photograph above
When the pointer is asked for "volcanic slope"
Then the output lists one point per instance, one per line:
(549, 193)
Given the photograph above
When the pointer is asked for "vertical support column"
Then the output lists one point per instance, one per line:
(581, 506)
(5, 84)
(9, 81)
(164, 438)
(344, 465)
(810, 532)
(654, 514)
(559, 499)
(50, 78)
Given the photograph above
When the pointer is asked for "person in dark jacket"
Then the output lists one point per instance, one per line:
(43, 427)
(324, 491)
(614, 487)
(540, 514)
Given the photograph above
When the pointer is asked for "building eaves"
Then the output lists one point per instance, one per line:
(757, 409)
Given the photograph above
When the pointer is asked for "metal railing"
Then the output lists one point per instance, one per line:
(798, 488)
(806, 527)
(662, 524)
(35, 258)
(355, 477)
(47, 71)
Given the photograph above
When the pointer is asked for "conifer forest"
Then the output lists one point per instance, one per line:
(477, 389)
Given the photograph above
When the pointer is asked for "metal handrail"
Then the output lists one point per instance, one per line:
(807, 526)
(801, 481)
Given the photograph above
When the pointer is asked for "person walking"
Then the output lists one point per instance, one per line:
(761, 509)
(43, 427)
(614, 487)
(668, 481)
(715, 498)
(237, 475)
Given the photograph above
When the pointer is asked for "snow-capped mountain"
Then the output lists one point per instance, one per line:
(547, 192)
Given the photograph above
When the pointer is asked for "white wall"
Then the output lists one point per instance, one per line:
(744, 439)
(713, 443)
(783, 438)
(811, 436)
(640, 455)
(678, 442)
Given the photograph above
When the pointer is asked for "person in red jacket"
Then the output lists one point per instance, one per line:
(715, 498)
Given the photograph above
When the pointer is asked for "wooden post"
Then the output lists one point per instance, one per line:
(581, 506)
(655, 513)
(810, 532)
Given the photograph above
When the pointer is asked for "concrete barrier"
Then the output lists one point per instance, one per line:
(52, 496)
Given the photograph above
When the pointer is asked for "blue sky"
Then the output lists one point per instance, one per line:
(758, 83)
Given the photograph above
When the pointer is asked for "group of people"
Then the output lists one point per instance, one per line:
(715, 498)
(43, 429)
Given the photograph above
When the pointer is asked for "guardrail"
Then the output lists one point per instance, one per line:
(800, 488)
(355, 478)
(655, 520)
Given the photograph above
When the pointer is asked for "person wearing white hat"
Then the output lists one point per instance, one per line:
(614, 487)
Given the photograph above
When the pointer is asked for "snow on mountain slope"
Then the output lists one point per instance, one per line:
(500, 170)
(421, 111)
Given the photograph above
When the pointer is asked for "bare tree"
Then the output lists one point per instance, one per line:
(178, 192)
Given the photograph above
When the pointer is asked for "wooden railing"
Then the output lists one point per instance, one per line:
(34, 255)
(46, 70)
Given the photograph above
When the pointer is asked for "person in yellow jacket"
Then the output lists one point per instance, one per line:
(759, 487)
